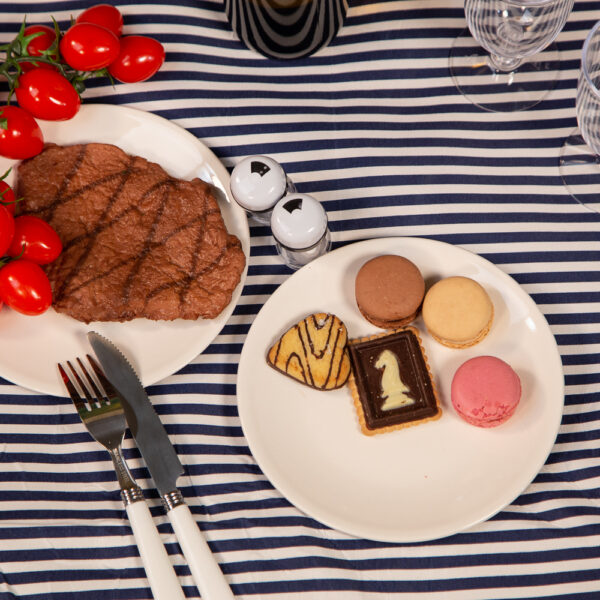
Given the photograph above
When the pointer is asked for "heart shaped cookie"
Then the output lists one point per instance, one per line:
(314, 352)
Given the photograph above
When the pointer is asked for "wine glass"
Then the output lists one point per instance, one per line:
(488, 64)
(579, 163)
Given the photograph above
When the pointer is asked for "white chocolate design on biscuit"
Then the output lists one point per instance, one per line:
(393, 389)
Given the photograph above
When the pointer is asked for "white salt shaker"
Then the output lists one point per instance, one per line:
(257, 183)
(299, 226)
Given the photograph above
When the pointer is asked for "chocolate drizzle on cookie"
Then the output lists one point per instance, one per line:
(313, 352)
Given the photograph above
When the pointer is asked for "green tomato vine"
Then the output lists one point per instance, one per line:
(16, 53)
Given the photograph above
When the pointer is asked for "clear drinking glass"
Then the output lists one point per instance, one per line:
(580, 155)
(506, 59)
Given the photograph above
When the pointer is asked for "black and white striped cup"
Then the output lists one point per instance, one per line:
(286, 29)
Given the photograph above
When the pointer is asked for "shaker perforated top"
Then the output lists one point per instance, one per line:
(257, 183)
(298, 221)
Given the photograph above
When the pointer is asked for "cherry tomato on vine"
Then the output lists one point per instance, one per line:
(7, 229)
(139, 58)
(25, 287)
(35, 240)
(20, 135)
(89, 47)
(47, 95)
(105, 15)
(38, 44)
(7, 197)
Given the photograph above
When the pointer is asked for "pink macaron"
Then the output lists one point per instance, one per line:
(485, 391)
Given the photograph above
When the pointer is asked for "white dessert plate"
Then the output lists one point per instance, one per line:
(31, 346)
(419, 483)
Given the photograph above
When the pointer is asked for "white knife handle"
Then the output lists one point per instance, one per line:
(159, 569)
(207, 574)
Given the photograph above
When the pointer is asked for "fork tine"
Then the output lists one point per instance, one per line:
(110, 391)
(72, 390)
(82, 385)
(95, 389)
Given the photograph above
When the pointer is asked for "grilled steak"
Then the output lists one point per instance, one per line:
(137, 242)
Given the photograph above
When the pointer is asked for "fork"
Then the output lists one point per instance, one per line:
(101, 409)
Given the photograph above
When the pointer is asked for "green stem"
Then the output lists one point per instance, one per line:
(16, 54)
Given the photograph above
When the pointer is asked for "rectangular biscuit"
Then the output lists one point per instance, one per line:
(391, 383)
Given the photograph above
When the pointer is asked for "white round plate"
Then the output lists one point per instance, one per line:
(414, 484)
(31, 346)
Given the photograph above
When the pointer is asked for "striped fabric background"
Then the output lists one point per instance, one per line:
(373, 127)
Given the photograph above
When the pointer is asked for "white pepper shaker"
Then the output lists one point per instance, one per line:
(299, 226)
(257, 183)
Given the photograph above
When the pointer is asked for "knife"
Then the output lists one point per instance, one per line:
(165, 467)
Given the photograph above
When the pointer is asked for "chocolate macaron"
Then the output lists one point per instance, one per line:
(389, 290)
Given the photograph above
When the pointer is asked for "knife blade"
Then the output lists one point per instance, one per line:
(144, 424)
(164, 466)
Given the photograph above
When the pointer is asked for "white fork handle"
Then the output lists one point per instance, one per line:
(159, 569)
(207, 574)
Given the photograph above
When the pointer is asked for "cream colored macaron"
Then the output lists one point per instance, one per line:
(457, 312)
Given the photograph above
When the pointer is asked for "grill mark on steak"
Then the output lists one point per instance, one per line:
(49, 210)
(88, 187)
(130, 259)
(84, 237)
(233, 242)
(193, 274)
(92, 236)
(61, 199)
(167, 186)
(100, 227)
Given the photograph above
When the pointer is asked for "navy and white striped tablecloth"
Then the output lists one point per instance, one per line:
(374, 127)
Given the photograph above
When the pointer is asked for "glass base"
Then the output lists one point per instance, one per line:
(295, 259)
(261, 218)
(490, 88)
(580, 171)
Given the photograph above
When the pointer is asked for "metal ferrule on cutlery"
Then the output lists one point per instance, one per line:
(172, 500)
(165, 467)
(130, 491)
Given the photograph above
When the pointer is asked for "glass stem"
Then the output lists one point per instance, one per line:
(504, 65)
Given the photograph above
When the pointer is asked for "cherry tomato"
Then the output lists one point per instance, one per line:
(105, 15)
(89, 47)
(20, 135)
(38, 44)
(7, 197)
(35, 240)
(139, 58)
(47, 95)
(25, 287)
(7, 229)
